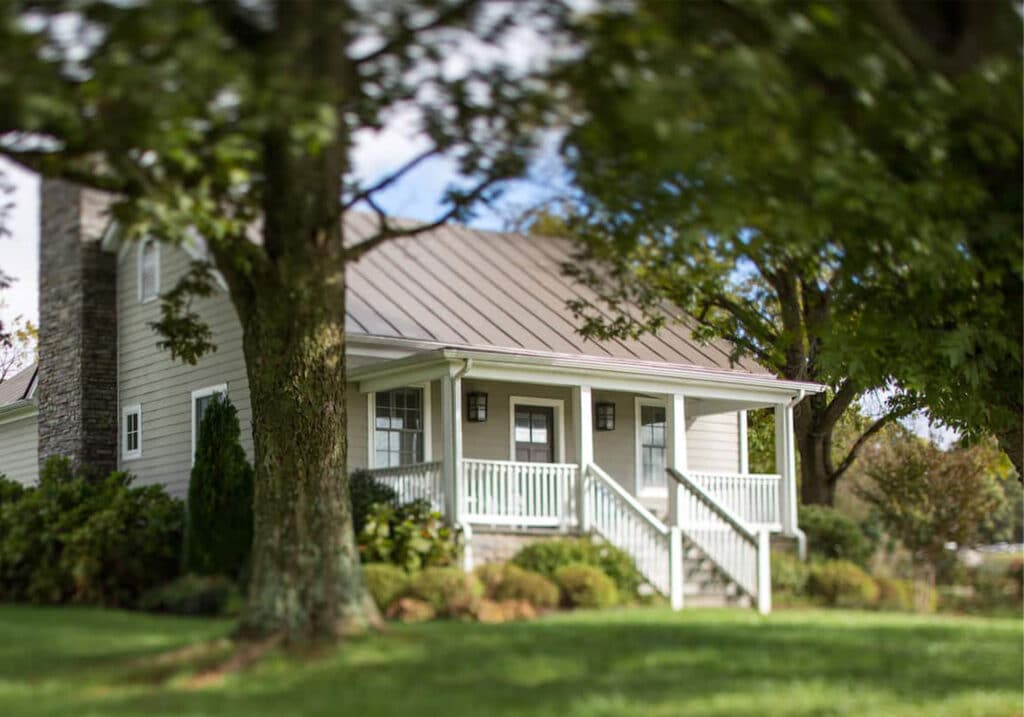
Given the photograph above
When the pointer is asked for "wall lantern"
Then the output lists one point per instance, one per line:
(476, 411)
(605, 415)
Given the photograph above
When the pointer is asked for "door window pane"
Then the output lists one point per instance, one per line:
(652, 447)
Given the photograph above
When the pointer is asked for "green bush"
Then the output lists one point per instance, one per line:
(585, 586)
(411, 536)
(10, 490)
(490, 576)
(449, 591)
(789, 574)
(895, 594)
(218, 537)
(77, 538)
(843, 584)
(534, 588)
(364, 492)
(833, 536)
(211, 595)
(547, 556)
(386, 583)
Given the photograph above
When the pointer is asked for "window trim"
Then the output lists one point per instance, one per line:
(556, 403)
(146, 243)
(638, 460)
(128, 455)
(221, 388)
(371, 423)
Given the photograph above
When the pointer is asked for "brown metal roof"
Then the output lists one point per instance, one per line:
(464, 287)
(17, 387)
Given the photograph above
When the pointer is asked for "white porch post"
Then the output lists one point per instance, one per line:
(764, 572)
(451, 469)
(785, 466)
(744, 443)
(675, 430)
(583, 407)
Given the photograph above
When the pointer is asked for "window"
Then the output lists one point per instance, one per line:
(201, 400)
(131, 432)
(398, 427)
(651, 437)
(149, 270)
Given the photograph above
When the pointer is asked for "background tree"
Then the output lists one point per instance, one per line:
(17, 346)
(238, 120)
(218, 527)
(821, 184)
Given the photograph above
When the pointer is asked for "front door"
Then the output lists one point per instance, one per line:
(535, 434)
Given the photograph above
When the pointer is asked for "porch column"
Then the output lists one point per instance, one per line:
(785, 466)
(451, 427)
(744, 443)
(675, 458)
(583, 407)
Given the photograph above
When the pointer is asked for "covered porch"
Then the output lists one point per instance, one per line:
(642, 454)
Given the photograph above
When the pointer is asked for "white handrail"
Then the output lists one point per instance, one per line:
(633, 503)
(754, 498)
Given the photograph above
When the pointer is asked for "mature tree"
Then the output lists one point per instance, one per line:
(834, 187)
(238, 119)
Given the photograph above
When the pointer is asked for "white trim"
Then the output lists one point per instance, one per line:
(741, 416)
(371, 423)
(555, 403)
(128, 455)
(638, 464)
(221, 388)
(18, 410)
(143, 245)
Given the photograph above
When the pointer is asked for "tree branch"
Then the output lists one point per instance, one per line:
(390, 179)
(851, 455)
(406, 34)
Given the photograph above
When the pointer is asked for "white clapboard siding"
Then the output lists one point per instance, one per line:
(19, 449)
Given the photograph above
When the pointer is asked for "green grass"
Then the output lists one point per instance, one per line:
(631, 662)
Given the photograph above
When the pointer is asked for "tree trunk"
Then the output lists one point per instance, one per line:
(305, 581)
(814, 443)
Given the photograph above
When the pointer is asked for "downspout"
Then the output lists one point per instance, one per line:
(465, 529)
(801, 536)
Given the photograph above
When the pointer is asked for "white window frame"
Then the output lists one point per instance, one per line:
(146, 243)
(371, 423)
(556, 403)
(128, 455)
(638, 460)
(221, 388)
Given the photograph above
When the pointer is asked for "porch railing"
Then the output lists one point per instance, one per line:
(419, 481)
(621, 520)
(737, 550)
(513, 493)
(751, 497)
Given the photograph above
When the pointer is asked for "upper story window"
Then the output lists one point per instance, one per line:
(398, 437)
(201, 400)
(131, 432)
(149, 270)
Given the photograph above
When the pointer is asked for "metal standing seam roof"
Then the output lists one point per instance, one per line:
(467, 287)
(19, 386)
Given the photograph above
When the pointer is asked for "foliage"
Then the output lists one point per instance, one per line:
(88, 540)
(987, 589)
(842, 584)
(585, 586)
(518, 584)
(926, 497)
(789, 574)
(895, 594)
(209, 595)
(547, 556)
(411, 536)
(385, 583)
(786, 176)
(831, 534)
(17, 343)
(218, 530)
(410, 610)
(364, 491)
(449, 591)
(10, 490)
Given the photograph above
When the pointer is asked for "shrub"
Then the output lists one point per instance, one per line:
(534, 588)
(10, 490)
(585, 586)
(834, 536)
(218, 536)
(85, 539)
(895, 594)
(449, 591)
(410, 610)
(386, 583)
(364, 491)
(789, 574)
(490, 576)
(411, 536)
(843, 584)
(210, 595)
(547, 556)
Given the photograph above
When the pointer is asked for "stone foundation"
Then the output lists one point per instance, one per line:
(496, 546)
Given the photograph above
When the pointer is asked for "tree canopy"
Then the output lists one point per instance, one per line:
(833, 187)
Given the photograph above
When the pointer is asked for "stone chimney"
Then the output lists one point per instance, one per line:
(77, 391)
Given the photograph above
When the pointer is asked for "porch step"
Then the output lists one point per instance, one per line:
(704, 584)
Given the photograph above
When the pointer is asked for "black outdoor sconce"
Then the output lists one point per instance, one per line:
(605, 414)
(477, 407)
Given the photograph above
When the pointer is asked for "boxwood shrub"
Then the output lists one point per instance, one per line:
(547, 556)
(585, 586)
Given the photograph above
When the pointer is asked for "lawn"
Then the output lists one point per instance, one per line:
(631, 662)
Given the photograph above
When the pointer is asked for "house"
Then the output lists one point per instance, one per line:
(468, 385)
